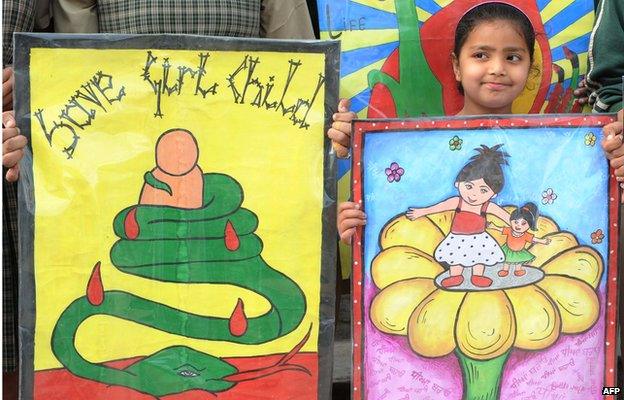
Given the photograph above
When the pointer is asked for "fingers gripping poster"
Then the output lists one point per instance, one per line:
(396, 58)
(487, 269)
(177, 217)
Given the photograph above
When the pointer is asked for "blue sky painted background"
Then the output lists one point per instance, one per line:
(543, 158)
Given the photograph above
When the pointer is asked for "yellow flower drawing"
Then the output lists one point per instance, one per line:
(481, 326)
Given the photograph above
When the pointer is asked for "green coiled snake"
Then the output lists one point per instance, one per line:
(186, 246)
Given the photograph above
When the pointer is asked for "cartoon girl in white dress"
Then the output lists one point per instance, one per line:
(468, 245)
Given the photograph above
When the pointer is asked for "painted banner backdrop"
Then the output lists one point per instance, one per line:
(177, 219)
(488, 265)
(395, 59)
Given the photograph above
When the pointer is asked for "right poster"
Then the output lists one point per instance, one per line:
(487, 269)
(395, 59)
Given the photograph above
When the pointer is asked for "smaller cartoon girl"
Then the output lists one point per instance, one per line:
(522, 219)
(468, 245)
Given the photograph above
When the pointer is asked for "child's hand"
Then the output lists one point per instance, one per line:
(340, 132)
(613, 146)
(12, 146)
(490, 224)
(548, 240)
(413, 213)
(349, 218)
(582, 93)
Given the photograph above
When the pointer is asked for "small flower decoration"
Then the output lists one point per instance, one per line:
(548, 196)
(590, 139)
(394, 173)
(455, 143)
(597, 236)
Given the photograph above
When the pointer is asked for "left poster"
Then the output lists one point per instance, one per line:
(177, 217)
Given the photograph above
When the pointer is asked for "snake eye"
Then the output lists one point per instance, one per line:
(188, 374)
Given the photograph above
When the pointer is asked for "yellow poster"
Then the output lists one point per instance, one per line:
(178, 201)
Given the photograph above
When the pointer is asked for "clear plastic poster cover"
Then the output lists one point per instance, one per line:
(176, 216)
(487, 268)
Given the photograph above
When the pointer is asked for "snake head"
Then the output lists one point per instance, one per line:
(179, 369)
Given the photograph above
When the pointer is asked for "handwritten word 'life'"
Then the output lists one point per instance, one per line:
(77, 114)
(244, 83)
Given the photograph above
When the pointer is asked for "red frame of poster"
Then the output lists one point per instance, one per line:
(361, 127)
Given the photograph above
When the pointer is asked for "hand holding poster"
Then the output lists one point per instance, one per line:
(178, 240)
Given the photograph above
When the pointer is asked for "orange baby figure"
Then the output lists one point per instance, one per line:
(177, 180)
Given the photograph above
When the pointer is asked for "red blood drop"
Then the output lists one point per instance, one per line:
(95, 289)
(231, 238)
(131, 226)
(238, 320)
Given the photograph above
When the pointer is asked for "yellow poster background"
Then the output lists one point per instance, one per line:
(278, 164)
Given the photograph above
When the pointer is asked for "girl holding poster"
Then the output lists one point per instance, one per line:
(491, 60)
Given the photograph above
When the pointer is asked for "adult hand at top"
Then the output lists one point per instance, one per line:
(13, 144)
(7, 89)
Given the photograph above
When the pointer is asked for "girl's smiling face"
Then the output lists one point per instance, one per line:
(519, 225)
(475, 192)
(493, 67)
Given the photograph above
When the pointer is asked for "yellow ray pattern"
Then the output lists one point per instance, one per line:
(553, 8)
(579, 28)
(443, 3)
(422, 14)
(388, 6)
(357, 81)
(351, 40)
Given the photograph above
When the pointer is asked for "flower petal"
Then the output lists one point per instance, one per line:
(392, 307)
(559, 242)
(394, 166)
(400, 171)
(486, 327)
(577, 302)
(388, 172)
(582, 263)
(430, 328)
(421, 234)
(397, 177)
(537, 318)
(402, 262)
(443, 220)
(545, 226)
(391, 178)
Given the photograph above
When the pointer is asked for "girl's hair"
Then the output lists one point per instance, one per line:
(528, 212)
(489, 12)
(486, 165)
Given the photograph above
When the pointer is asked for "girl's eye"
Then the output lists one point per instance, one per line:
(468, 186)
(514, 57)
(484, 191)
(480, 55)
(523, 223)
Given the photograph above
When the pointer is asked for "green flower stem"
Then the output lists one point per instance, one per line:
(482, 379)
